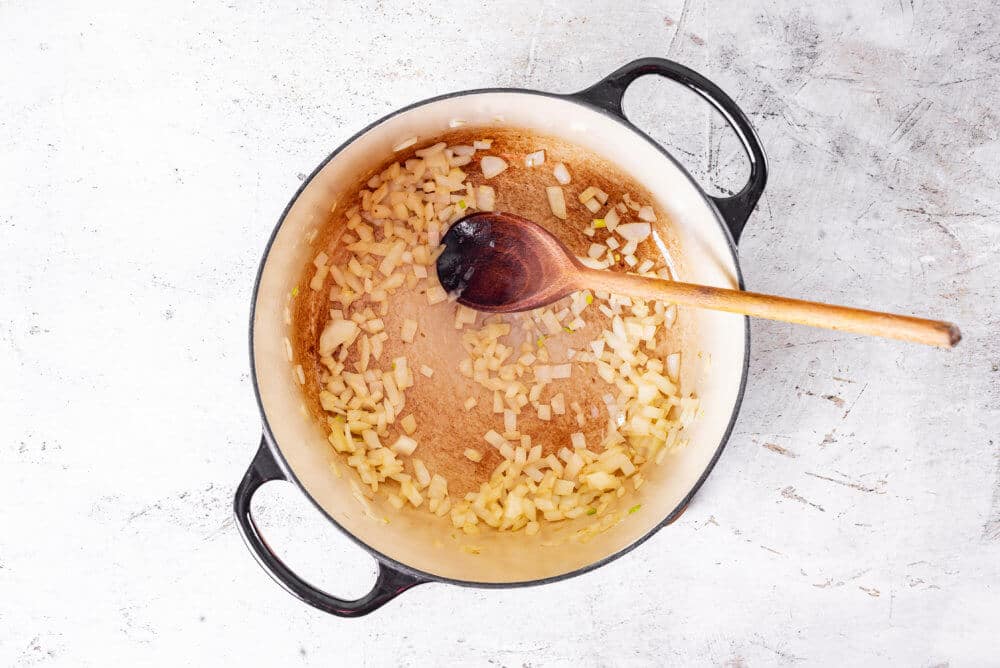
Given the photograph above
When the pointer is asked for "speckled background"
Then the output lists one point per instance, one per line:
(146, 150)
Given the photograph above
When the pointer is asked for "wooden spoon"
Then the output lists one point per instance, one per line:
(501, 263)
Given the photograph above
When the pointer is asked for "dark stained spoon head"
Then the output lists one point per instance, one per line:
(501, 263)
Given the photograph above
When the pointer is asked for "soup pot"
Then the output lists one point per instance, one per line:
(416, 547)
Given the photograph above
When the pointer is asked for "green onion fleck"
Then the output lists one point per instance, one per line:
(541, 341)
(462, 204)
(590, 298)
(295, 291)
(634, 508)
(569, 329)
(592, 511)
(599, 223)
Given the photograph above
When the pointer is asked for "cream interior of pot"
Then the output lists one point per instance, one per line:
(712, 364)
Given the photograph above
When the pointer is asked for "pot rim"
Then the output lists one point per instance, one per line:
(424, 576)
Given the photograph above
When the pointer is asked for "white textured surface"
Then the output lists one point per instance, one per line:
(146, 150)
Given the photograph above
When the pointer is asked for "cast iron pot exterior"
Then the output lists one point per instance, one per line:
(395, 577)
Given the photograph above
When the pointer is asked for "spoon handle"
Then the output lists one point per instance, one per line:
(771, 307)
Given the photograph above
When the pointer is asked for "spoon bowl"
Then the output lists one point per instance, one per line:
(503, 263)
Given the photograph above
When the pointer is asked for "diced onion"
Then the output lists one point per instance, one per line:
(636, 232)
(561, 174)
(335, 334)
(557, 202)
(674, 366)
(409, 424)
(534, 159)
(669, 316)
(430, 150)
(492, 165)
(611, 219)
(404, 445)
(486, 198)
(409, 330)
(436, 295)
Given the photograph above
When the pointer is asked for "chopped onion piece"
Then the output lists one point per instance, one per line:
(602, 481)
(534, 159)
(557, 202)
(317, 280)
(636, 232)
(611, 219)
(670, 316)
(561, 371)
(509, 422)
(492, 165)
(551, 322)
(587, 194)
(594, 264)
(646, 213)
(464, 315)
(409, 330)
(473, 454)
(674, 366)
(436, 295)
(430, 150)
(404, 445)
(561, 174)
(408, 423)
(337, 333)
(494, 439)
(423, 475)
(486, 198)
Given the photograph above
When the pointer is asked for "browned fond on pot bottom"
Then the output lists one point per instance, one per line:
(444, 428)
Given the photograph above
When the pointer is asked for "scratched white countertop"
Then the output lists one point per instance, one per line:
(146, 151)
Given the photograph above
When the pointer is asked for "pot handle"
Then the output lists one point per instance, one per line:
(389, 584)
(608, 93)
